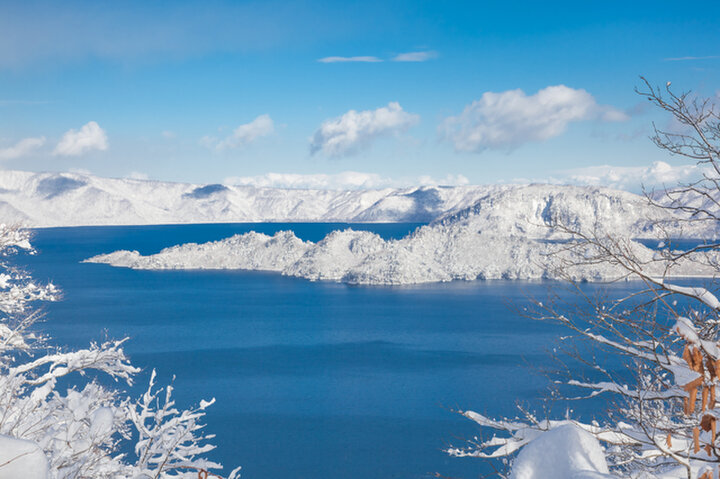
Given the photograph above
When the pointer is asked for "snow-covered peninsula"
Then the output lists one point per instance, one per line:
(506, 233)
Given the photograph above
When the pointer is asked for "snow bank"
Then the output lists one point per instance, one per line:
(509, 234)
(21, 458)
(564, 452)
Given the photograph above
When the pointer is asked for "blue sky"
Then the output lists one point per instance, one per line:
(233, 91)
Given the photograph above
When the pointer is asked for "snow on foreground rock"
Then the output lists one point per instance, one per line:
(564, 452)
(509, 233)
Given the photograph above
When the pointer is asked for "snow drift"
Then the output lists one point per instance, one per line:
(564, 452)
(22, 458)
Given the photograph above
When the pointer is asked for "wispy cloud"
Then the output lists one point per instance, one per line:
(77, 142)
(137, 175)
(80, 171)
(243, 135)
(361, 59)
(683, 59)
(633, 178)
(347, 180)
(356, 130)
(422, 56)
(22, 148)
(657, 176)
(511, 118)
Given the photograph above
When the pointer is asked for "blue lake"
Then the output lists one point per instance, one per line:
(312, 379)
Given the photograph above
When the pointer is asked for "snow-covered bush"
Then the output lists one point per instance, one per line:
(53, 432)
(665, 423)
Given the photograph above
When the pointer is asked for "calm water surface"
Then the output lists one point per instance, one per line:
(312, 380)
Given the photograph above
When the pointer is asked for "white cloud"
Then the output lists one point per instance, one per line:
(658, 175)
(362, 59)
(421, 56)
(136, 175)
(355, 130)
(21, 148)
(510, 118)
(347, 180)
(415, 56)
(81, 171)
(633, 178)
(209, 141)
(89, 137)
(683, 59)
(449, 180)
(243, 135)
(168, 135)
(249, 132)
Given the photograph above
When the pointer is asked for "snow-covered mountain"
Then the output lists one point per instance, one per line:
(508, 232)
(73, 199)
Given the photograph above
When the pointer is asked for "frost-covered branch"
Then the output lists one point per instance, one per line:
(170, 441)
(665, 424)
(48, 433)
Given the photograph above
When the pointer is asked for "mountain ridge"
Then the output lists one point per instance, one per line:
(75, 199)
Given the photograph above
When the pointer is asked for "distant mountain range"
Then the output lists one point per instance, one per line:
(73, 199)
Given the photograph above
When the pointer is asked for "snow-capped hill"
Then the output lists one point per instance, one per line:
(73, 199)
(535, 211)
(252, 251)
(507, 233)
(334, 255)
(422, 204)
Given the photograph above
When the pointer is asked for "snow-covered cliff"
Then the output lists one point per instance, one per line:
(508, 232)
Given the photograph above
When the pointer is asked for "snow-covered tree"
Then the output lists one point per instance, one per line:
(78, 431)
(665, 422)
